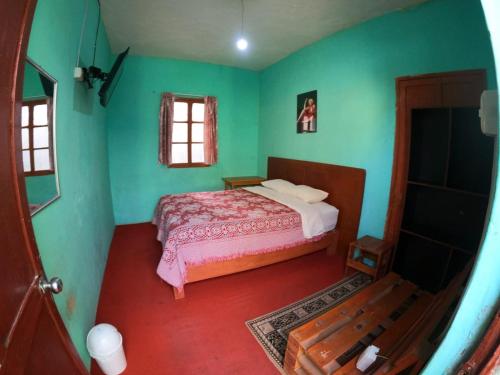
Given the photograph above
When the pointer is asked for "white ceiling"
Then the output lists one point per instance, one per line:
(206, 30)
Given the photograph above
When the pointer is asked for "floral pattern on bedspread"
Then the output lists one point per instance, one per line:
(221, 215)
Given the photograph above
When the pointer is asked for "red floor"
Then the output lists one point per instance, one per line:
(204, 333)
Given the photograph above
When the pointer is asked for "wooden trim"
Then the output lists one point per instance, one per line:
(485, 352)
(249, 262)
(493, 365)
(445, 75)
(40, 173)
(216, 269)
(436, 90)
(189, 165)
(190, 130)
(187, 99)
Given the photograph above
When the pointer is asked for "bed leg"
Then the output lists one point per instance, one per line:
(178, 292)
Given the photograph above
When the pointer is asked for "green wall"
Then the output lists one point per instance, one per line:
(354, 72)
(73, 233)
(137, 179)
(40, 189)
(32, 85)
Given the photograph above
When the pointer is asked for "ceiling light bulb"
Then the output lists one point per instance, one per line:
(242, 44)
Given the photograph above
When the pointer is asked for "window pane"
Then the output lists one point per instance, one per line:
(197, 132)
(180, 132)
(180, 153)
(41, 137)
(25, 116)
(26, 161)
(198, 113)
(40, 114)
(26, 138)
(42, 160)
(180, 111)
(197, 154)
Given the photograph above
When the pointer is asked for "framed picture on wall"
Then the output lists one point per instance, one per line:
(307, 112)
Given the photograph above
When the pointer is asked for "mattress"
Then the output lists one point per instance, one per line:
(198, 228)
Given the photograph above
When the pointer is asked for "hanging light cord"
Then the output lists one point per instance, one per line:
(97, 29)
(242, 16)
(82, 31)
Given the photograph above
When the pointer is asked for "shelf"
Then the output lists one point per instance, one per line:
(446, 188)
(421, 262)
(430, 134)
(444, 244)
(451, 218)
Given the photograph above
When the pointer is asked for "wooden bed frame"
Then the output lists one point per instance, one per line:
(345, 186)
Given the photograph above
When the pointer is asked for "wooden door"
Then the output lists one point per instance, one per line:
(32, 335)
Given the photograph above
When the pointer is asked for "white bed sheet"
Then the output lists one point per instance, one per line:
(317, 218)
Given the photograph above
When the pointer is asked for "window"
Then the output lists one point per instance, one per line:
(36, 132)
(188, 131)
(188, 147)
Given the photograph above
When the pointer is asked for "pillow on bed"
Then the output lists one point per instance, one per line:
(281, 186)
(309, 194)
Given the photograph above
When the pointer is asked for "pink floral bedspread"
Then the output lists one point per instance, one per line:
(195, 228)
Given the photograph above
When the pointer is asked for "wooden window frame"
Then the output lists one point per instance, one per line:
(190, 122)
(31, 104)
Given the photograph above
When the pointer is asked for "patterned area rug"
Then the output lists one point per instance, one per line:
(271, 330)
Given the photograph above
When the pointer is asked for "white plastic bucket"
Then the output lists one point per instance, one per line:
(105, 345)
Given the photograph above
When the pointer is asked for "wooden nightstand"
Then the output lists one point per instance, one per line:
(236, 182)
(369, 255)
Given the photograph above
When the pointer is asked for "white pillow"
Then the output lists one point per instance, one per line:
(309, 194)
(281, 186)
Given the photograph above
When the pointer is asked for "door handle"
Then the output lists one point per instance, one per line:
(54, 285)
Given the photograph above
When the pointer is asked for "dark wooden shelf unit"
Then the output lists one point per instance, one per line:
(445, 244)
(440, 187)
(447, 192)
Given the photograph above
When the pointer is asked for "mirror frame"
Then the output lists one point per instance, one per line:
(54, 132)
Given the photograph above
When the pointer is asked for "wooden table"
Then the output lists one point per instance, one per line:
(369, 255)
(236, 182)
(330, 344)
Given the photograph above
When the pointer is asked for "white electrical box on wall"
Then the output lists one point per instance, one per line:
(79, 74)
(489, 112)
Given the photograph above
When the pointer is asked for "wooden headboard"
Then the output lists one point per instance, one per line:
(345, 186)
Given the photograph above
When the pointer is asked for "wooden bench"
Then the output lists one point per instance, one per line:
(392, 314)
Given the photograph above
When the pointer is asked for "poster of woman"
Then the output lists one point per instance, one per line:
(307, 112)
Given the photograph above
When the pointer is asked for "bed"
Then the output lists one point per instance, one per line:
(211, 234)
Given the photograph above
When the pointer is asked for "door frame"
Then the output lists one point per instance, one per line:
(17, 17)
(465, 88)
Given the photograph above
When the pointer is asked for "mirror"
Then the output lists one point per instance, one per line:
(38, 130)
